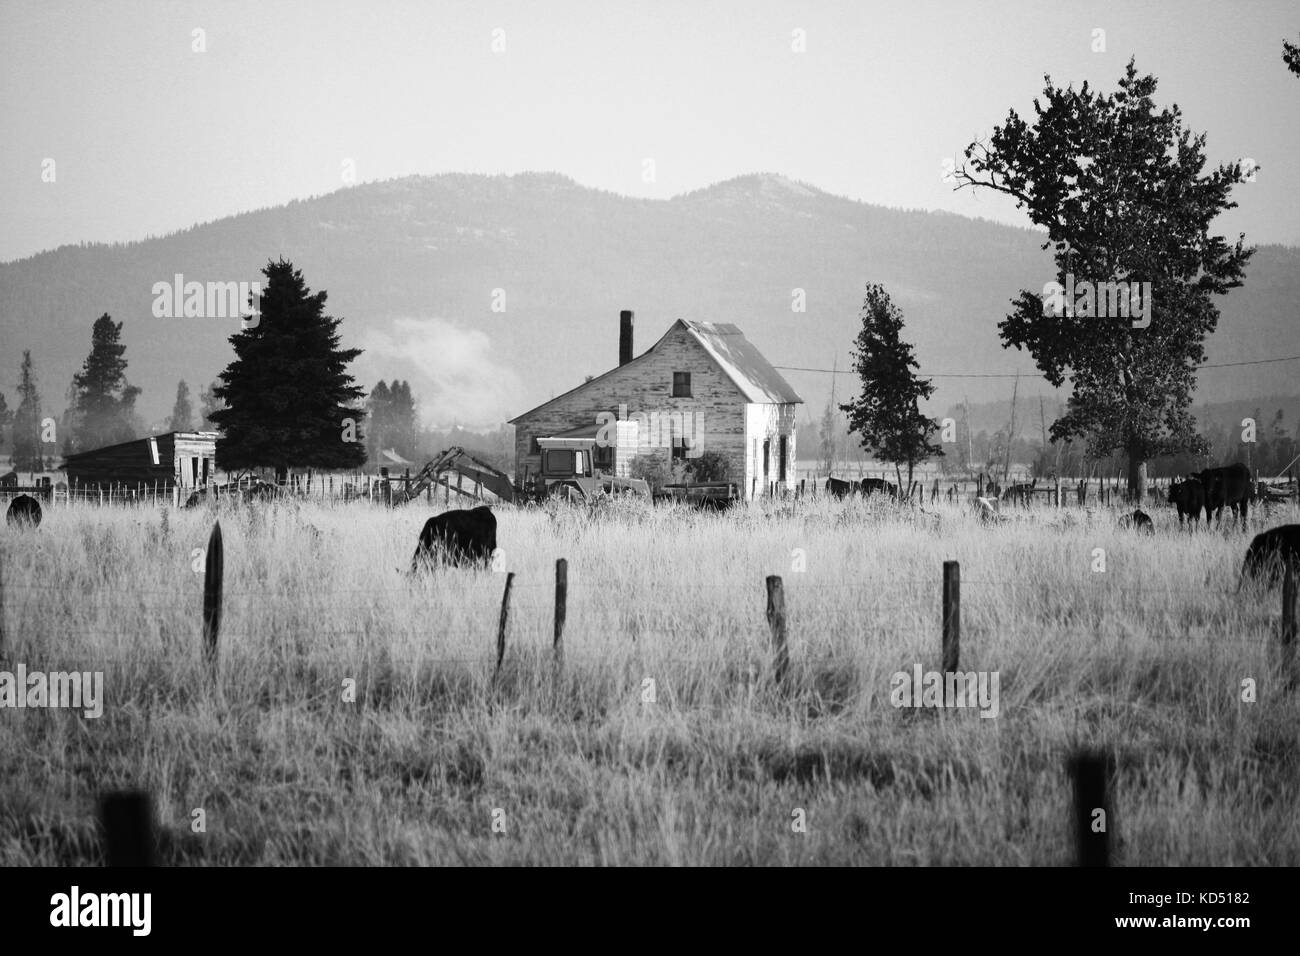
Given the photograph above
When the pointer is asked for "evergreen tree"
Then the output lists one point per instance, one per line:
(209, 403)
(290, 401)
(6, 417)
(1291, 57)
(182, 419)
(887, 413)
(28, 455)
(377, 410)
(401, 419)
(103, 402)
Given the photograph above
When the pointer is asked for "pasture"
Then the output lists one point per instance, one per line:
(438, 762)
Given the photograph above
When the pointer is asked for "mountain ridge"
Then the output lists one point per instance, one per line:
(416, 265)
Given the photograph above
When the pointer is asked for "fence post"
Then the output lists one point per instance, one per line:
(1091, 828)
(501, 628)
(214, 571)
(951, 619)
(776, 622)
(1289, 623)
(129, 836)
(561, 609)
(2, 608)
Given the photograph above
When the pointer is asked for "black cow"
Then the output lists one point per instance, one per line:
(1229, 486)
(838, 488)
(1269, 551)
(1189, 498)
(467, 536)
(870, 486)
(24, 510)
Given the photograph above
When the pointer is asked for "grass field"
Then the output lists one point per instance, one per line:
(437, 763)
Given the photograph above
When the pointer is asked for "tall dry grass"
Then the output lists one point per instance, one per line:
(1144, 660)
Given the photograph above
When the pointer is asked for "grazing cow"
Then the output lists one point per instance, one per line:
(1229, 486)
(1189, 497)
(870, 486)
(1139, 520)
(1269, 551)
(24, 510)
(466, 536)
(839, 488)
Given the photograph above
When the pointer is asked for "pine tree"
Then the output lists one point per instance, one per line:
(887, 413)
(377, 406)
(6, 417)
(209, 403)
(103, 402)
(28, 455)
(401, 418)
(182, 419)
(290, 401)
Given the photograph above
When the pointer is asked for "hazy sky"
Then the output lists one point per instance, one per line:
(149, 136)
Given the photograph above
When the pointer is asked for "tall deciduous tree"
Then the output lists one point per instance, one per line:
(103, 403)
(182, 418)
(290, 401)
(1118, 187)
(887, 413)
(28, 454)
(1291, 57)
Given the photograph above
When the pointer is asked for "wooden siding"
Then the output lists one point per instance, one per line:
(645, 385)
(768, 423)
(181, 457)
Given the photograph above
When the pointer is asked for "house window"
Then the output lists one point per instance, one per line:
(603, 457)
(780, 462)
(533, 447)
(681, 384)
(767, 458)
(679, 451)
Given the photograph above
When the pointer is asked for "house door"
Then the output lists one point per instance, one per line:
(780, 463)
(767, 459)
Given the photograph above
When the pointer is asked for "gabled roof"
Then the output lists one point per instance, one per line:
(734, 355)
(742, 363)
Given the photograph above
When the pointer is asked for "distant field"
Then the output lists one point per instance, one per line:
(1144, 660)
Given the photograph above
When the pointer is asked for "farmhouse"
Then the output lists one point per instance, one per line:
(187, 459)
(702, 387)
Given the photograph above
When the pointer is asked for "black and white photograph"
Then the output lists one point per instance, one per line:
(635, 434)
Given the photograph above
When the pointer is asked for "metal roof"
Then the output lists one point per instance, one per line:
(734, 354)
(742, 363)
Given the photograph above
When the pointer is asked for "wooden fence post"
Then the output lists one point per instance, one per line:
(214, 571)
(1289, 624)
(951, 618)
(129, 835)
(1092, 817)
(561, 609)
(501, 628)
(776, 622)
(2, 609)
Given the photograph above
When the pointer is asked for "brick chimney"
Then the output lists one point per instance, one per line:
(624, 337)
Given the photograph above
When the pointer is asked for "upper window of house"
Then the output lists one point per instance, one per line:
(681, 384)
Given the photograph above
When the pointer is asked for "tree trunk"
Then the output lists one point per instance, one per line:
(1137, 476)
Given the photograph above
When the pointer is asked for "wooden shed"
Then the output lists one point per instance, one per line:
(185, 459)
(702, 387)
